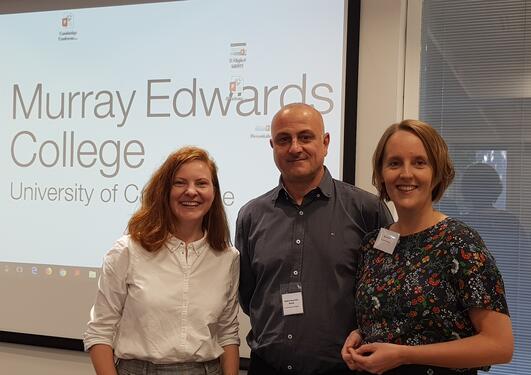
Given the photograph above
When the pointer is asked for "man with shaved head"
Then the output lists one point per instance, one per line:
(298, 245)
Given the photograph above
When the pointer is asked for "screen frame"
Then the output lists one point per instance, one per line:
(349, 122)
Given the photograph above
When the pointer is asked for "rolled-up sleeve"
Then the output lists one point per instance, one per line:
(110, 298)
(228, 325)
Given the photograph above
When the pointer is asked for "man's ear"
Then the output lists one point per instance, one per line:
(326, 142)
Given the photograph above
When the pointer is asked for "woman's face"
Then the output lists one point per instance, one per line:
(407, 173)
(192, 192)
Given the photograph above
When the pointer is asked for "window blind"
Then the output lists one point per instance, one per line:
(475, 89)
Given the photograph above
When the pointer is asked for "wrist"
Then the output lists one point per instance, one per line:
(406, 352)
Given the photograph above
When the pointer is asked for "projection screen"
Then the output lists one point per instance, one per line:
(92, 100)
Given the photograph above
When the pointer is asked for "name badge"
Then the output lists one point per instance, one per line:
(292, 303)
(386, 240)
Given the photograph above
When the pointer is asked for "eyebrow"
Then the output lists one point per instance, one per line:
(299, 132)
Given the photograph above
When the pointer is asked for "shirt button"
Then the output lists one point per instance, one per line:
(290, 336)
(318, 195)
(301, 212)
(290, 367)
(297, 241)
(295, 272)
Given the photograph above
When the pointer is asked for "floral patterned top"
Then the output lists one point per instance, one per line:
(421, 293)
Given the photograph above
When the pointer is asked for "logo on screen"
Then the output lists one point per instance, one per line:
(238, 49)
(236, 85)
(67, 31)
(48, 271)
(92, 274)
(238, 55)
(67, 21)
(34, 270)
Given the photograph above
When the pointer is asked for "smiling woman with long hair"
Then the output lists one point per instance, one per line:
(167, 296)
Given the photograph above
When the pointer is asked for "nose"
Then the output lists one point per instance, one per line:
(295, 147)
(191, 191)
(405, 171)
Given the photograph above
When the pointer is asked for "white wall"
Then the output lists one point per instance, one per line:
(380, 82)
(380, 103)
(26, 360)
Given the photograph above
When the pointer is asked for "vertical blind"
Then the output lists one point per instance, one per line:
(475, 89)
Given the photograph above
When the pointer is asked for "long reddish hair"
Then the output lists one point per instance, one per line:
(154, 222)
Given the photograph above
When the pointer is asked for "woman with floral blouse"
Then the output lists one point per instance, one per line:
(429, 299)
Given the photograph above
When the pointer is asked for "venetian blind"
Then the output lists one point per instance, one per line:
(476, 90)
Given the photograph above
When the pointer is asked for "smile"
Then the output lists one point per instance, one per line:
(406, 187)
(190, 203)
(296, 160)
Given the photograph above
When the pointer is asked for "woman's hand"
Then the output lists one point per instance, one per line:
(377, 357)
(352, 341)
(102, 359)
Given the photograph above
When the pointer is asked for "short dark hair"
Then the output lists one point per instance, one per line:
(436, 148)
(476, 176)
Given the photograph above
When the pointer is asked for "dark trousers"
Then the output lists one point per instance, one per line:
(257, 366)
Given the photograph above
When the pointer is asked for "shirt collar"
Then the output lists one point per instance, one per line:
(198, 246)
(325, 187)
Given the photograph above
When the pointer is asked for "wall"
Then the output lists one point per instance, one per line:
(381, 72)
(24, 360)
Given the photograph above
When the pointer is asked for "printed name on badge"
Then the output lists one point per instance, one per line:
(386, 240)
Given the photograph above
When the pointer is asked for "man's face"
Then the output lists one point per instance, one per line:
(299, 144)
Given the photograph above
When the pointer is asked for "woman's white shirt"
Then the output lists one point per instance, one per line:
(179, 304)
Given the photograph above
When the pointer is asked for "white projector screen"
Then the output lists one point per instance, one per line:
(92, 100)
